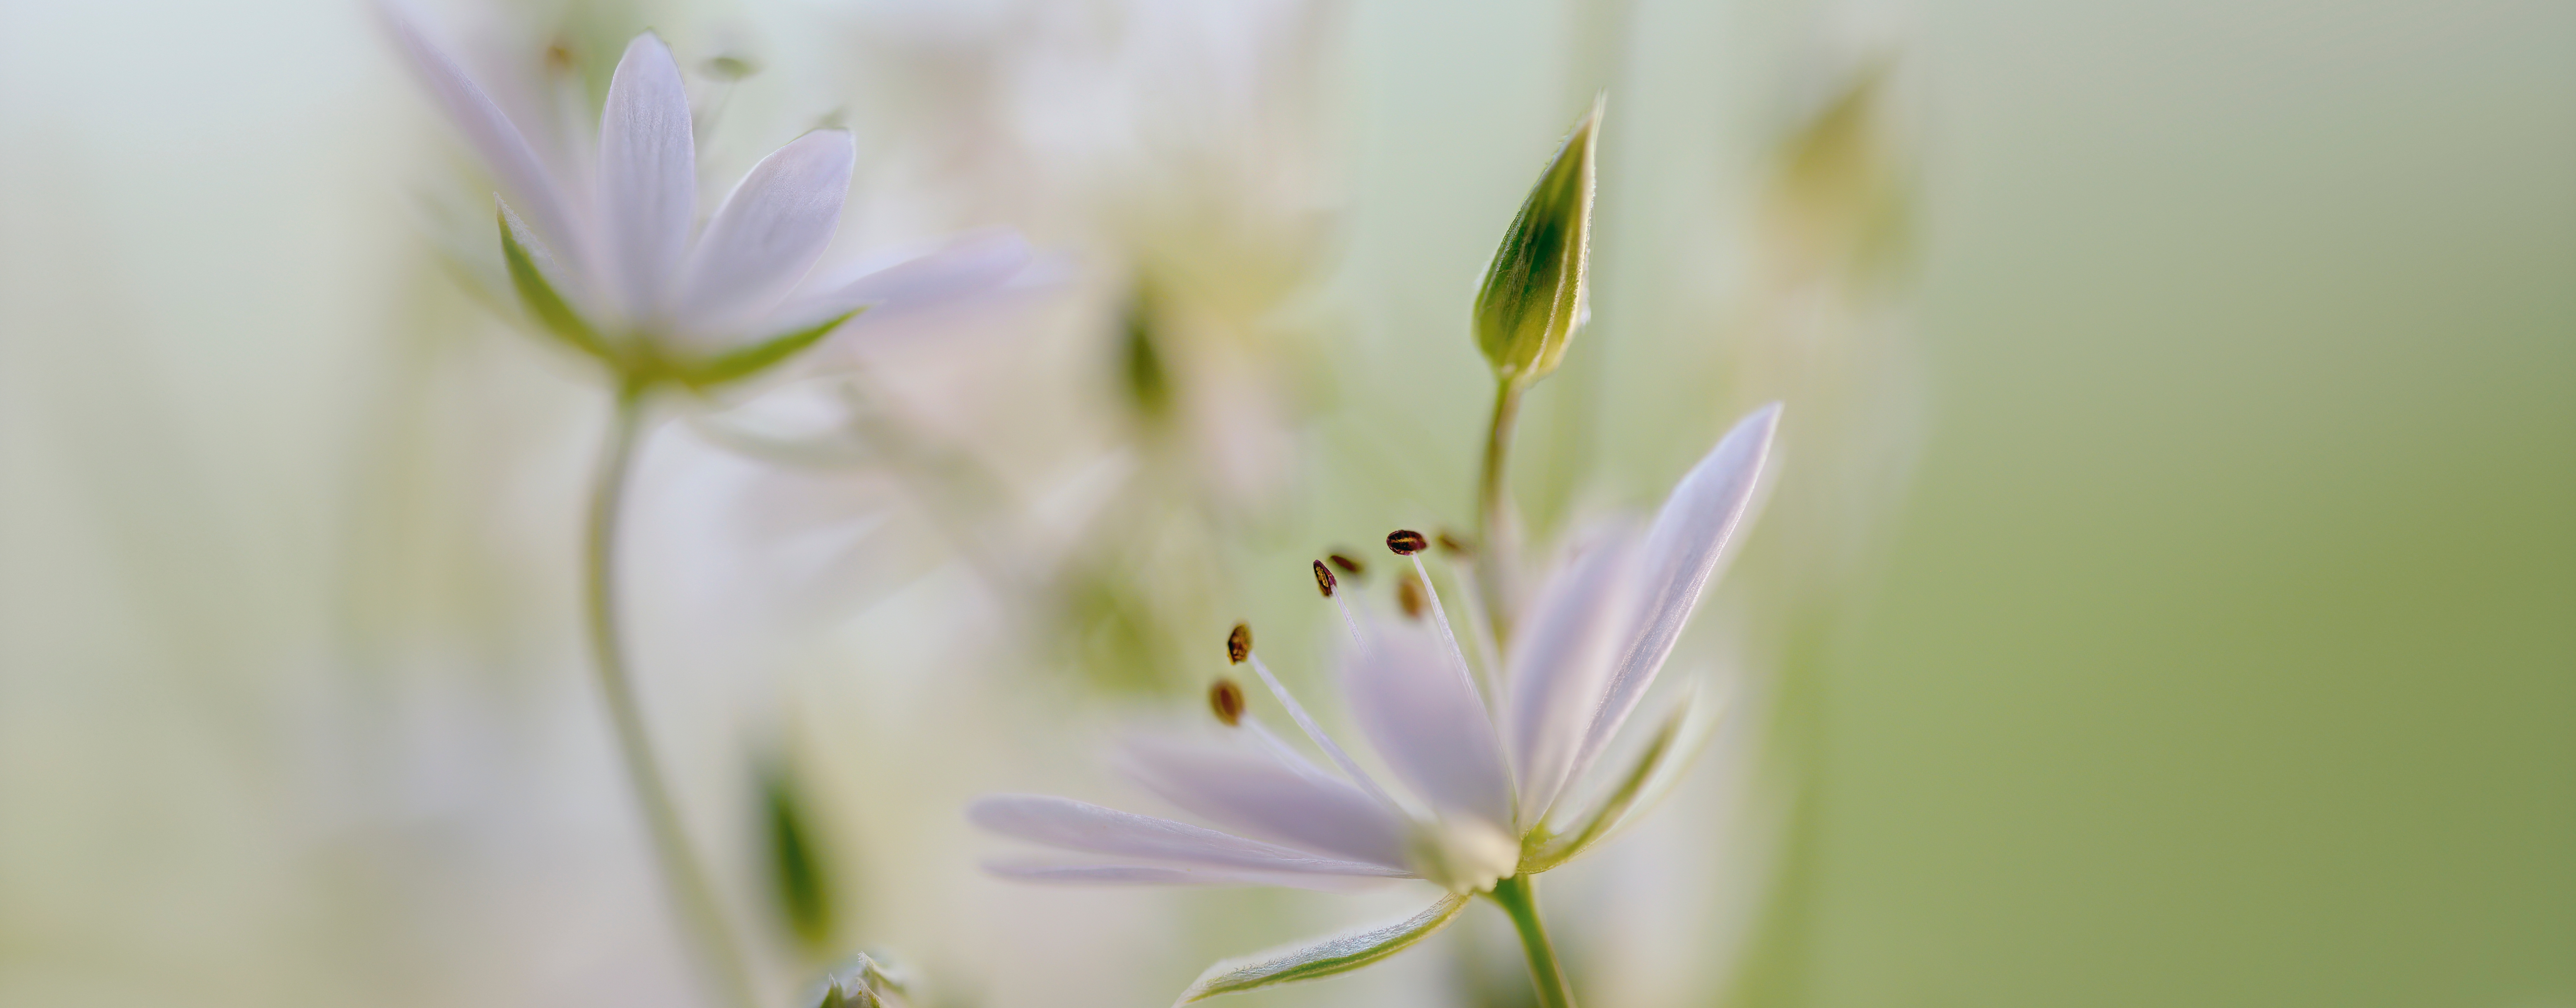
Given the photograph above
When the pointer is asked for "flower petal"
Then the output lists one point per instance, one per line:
(1126, 874)
(504, 150)
(1561, 666)
(1425, 719)
(1683, 552)
(768, 232)
(1081, 826)
(648, 175)
(972, 265)
(1260, 796)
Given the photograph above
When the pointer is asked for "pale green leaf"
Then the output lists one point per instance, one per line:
(1341, 953)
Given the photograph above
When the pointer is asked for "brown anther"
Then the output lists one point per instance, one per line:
(1226, 699)
(1348, 565)
(1451, 544)
(1323, 581)
(1238, 645)
(1409, 595)
(1406, 542)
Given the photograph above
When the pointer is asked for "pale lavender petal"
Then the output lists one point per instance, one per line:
(505, 151)
(1257, 795)
(1562, 659)
(648, 175)
(1690, 542)
(1073, 825)
(970, 266)
(768, 233)
(1120, 874)
(1424, 718)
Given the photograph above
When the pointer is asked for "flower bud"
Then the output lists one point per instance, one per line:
(1537, 294)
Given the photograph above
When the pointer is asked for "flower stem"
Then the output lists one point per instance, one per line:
(688, 884)
(1519, 898)
(1495, 531)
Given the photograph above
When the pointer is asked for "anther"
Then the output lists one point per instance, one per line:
(1405, 542)
(1408, 594)
(1226, 699)
(1451, 544)
(1348, 565)
(1238, 645)
(1323, 581)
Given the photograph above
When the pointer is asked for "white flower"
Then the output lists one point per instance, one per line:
(1483, 786)
(615, 260)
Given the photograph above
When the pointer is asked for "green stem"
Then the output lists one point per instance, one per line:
(1518, 896)
(689, 885)
(1495, 534)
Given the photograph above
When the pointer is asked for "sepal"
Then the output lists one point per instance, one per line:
(858, 982)
(750, 361)
(1340, 953)
(529, 263)
(1679, 738)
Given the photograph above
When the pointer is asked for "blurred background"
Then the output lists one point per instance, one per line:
(2169, 597)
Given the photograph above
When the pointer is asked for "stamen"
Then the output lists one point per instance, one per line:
(1226, 699)
(1321, 740)
(1458, 659)
(1348, 565)
(1238, 645)
(1406, 542)
(1452, 544)
(1480, 627)
(1408, 596)
(1324, 582)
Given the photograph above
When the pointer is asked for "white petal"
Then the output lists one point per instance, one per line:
(768, 232)
(506, 151)
(1562, 659)
(1683, 553)
(1260, 796)
(648, 175)
(972, 265)
(1425, 720)
(1073, 825)
(1121, 874)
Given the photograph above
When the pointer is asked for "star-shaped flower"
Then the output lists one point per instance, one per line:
(1484, 785)
(616, 262)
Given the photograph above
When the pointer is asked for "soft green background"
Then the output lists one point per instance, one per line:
(2228, 651)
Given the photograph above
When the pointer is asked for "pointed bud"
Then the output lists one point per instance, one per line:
(1226, 699)
(1406, 542)
(1324, 581)
(1537, 294)
(1238, 645)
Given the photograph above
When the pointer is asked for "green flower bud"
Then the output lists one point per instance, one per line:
(1536, 294)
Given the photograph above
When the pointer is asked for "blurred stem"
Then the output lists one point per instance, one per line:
(1495, 548)
(1518, 896)
(689, 885)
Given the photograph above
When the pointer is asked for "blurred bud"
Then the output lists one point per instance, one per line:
(1536, 294)
(1148, 385)
(799, 881)
(729, 68)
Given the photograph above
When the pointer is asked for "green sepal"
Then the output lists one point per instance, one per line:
(1536, 294)
(736, 365)
(528, 259)
(1680, 736)
(799, 875)
(1341, 953)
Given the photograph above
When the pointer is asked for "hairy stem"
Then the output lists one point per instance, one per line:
(689, 885)
(1496, 534)
(1519, 898)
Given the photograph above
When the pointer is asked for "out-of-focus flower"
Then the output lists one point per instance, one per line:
(1482, 784)
(614, 262)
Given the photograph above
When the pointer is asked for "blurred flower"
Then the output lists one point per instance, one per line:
(1482, 785)
(614, 262)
